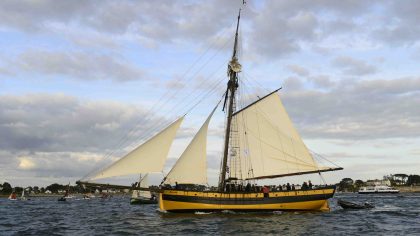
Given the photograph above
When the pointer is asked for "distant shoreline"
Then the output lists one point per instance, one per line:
(54, 195)
(403, 189)
(408, 189)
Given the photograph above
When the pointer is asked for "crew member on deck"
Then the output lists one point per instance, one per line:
(304, 186)
(248, 187)
(310, 184)
(265, 190)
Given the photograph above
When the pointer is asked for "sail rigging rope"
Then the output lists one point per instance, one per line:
(211, 91)
(126, 135)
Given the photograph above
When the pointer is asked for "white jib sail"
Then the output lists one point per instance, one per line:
(191, 167)
(269, 144)
(146, 158)
(143, 183)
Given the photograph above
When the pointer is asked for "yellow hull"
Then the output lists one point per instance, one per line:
(184, 201)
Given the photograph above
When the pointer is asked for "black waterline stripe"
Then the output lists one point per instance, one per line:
(246, 201)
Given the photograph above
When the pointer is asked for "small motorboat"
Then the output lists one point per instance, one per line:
(352, 205)
(62, 199)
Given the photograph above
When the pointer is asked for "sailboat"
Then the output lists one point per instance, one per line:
(149, 157)
(260, 142)
(143, 197)
(23, 196)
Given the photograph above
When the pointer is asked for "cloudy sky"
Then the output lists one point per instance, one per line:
(82, 82)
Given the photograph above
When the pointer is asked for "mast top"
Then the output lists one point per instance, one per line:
(234, 65)
(236, 35)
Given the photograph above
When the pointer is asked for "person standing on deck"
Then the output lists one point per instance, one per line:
(265, 191)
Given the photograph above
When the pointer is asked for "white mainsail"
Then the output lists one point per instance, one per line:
(146, 158)
(269, 144)
(143, 183)
(191, 167)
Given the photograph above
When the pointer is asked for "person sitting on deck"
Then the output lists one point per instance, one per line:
(310, 184)
(293, 187)
(288, 188)
(265, 190)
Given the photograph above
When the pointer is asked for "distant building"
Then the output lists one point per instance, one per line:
(377, 182)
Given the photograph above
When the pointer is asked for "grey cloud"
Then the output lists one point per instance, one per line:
(321, 81)
(32, 16)
(282, 34)
(53, 136)
(60, 164)
(366, 109)
(403, 27)
(283, 27)
(162, 20)
(51, 123)
(352, 66)
(340, 26)
(42, 168)
(80, 65)
(293, 83)
(298, 70)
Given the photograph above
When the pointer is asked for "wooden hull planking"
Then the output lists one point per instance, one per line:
(189, 201)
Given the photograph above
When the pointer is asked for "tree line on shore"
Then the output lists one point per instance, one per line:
(7, 188)
(346, 184)
(350, 185)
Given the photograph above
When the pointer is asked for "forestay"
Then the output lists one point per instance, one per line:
(191, 167)
(269, 144)
(148, 157)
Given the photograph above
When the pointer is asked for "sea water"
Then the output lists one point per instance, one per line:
(393, 215)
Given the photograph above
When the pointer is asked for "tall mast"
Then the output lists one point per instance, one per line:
(233, 69)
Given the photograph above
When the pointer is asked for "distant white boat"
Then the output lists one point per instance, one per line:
(378, 189)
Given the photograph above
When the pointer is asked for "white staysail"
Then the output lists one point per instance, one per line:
(146, 158)
(143, 183)
(191, 167)
(269, 144)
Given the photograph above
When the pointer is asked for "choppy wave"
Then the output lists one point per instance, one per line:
(203, 213)
(44, 216)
